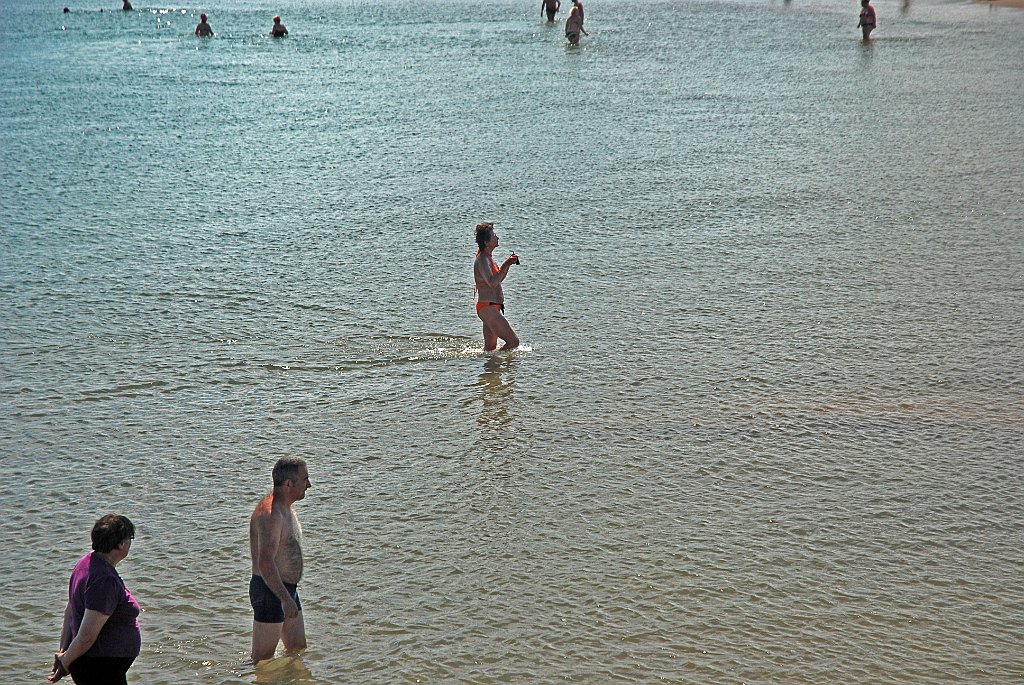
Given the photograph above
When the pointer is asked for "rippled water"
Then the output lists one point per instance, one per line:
(767, 426)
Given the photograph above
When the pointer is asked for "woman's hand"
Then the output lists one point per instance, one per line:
(512, 259)
(92, 623)
(58, 671)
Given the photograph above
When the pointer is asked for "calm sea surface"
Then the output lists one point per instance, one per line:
(768, 423)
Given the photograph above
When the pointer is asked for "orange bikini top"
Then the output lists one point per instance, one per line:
(494, 269)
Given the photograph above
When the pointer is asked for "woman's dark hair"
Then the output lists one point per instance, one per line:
(484, 231)
(110, 531)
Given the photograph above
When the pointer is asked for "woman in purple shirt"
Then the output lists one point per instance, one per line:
(100, 637)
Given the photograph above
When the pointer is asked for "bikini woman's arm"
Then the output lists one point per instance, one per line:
(486, 276)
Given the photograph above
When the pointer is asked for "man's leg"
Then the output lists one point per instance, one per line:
(294, 634)
(265, 637)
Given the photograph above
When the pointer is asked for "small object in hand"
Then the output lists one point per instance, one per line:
(516, 261)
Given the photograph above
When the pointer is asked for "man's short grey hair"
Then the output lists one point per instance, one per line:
(288, 468)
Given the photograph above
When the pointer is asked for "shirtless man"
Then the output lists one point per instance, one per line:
(490, 306)
(550, 7)
(274, 542)
(203, 28)
(278, 30)
(579, 5)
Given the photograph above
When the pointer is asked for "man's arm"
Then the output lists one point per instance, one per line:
(268, 540)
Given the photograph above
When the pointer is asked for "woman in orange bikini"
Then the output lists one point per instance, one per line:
(490, 306)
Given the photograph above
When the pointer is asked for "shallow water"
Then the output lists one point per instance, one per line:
(767, 426)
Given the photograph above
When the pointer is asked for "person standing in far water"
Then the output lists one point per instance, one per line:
(574, 24)
(274, 543)
(867, 18)
(126, 6)
(203, 28)
(100, 637)
(490, 306)
(579, 5)
(278, 30)
(551, 7)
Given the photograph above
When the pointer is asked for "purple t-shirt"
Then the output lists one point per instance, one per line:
(96, 585)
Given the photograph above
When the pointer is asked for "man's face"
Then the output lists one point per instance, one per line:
(301, 484)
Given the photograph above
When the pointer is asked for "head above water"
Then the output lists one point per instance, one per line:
(288, 469)
(110, 531)
(484, 233)
(277, 20)
(202, 17)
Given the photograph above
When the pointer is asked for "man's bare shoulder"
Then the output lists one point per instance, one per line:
(265, 510)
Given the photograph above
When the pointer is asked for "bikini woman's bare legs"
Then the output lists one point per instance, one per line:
(497, 326)
(490, 339)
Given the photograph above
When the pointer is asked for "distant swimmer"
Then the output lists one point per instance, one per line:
(551, 7)
(574, 24)
(867, 18)
(579, 6)
(279, 31)
(490, 306)
(66, 10)
(203, 28)
(126, 6)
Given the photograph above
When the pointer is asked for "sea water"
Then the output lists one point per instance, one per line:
(766, 426)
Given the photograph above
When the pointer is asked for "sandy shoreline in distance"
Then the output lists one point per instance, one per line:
(1019, 4)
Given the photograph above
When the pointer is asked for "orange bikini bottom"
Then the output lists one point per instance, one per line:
(484, 305)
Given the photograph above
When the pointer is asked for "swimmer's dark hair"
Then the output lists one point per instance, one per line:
(484, 231)
(287, 468)
(110, 531)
